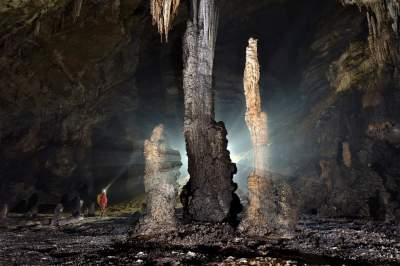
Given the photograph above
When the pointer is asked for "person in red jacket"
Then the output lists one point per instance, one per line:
(102, 200)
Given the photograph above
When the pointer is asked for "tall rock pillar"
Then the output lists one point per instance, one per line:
(209, 194)
(270, 198)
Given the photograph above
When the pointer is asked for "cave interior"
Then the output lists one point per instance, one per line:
(224, 132)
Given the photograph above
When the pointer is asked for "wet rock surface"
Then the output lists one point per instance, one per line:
(95, 241)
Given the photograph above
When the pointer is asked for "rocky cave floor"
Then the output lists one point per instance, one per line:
(94, 241)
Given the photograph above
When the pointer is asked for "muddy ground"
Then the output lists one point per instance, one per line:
(106, 241)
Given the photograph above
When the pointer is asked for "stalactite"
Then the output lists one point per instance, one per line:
(270, 201)
(380, 130)
(383, 18)
(163, 13)
(37, 28)
(209, 194)
(161, 173)
(77, 9)
(116, 9)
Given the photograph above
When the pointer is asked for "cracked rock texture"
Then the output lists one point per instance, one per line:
(209, 194)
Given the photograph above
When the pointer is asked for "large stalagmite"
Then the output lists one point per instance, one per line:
(270, 198)
(259, 212)
(256, 119)
(209, 194)
(161, 172)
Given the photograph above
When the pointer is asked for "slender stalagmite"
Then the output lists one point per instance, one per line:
(269, 200)
(161, 172)
(256, 121)
(209, 194)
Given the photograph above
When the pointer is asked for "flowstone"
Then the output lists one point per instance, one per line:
(270, 198)
(161, 173)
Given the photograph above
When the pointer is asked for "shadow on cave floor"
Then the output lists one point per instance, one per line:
(105, 241)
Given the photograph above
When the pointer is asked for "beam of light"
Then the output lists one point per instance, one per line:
(241, 157)
(133, 158)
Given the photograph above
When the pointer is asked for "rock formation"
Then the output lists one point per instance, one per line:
(161, 173)
(3, 212)
(163, 13)
(60, 72)
(256, 119)
(259, 211)
(384, 29)
(209, 194)
(346, 154)
(270, 201)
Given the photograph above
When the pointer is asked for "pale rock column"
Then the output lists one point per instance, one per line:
(256, 219)
(161, 173)
(270, 197)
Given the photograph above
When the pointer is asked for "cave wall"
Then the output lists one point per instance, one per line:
(344, 143)
(331, 99)
(71, 89)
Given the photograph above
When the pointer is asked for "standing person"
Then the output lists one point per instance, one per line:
(77, 211)
(102, 201)
(4, 212)
(55, 221)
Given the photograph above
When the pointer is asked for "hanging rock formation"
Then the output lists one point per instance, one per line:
(161, 173)
(163, 13)
(270, 201)
(209, 194)
(383, 22)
